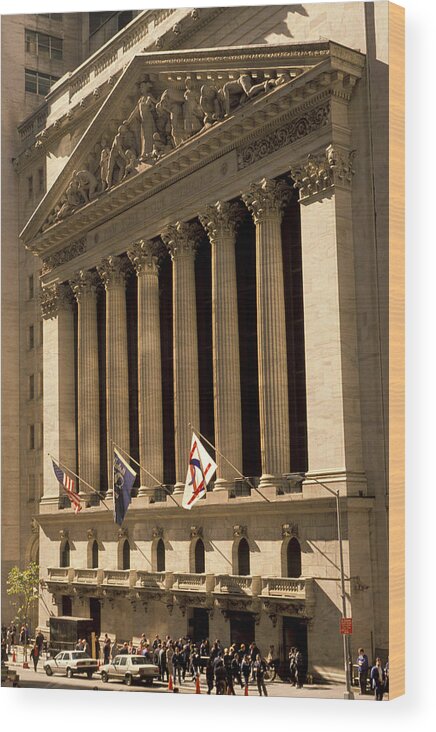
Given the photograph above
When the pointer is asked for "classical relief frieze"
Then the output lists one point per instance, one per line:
(317, 173)
(54, 298)
(266, 198)
(311, 121)
(64, 255)
(182, 239)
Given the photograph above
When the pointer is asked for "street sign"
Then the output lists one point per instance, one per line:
(346, 626)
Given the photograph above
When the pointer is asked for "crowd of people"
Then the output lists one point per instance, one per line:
(378, 674)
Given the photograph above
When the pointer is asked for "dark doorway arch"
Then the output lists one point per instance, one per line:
(126, 555)
(94, 555)
(160, 556)
(65, 554)
(199, 558)
(243, 557)
(293, 557)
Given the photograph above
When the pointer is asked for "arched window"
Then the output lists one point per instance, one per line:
(294, 558)
(243, 557)
(160, 556)
(94, 555)
(199, 557)
(65, 554)
(126, 555)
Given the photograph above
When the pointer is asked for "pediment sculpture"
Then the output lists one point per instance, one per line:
(158, 123)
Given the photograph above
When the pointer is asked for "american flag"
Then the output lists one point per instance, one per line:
(67, 484)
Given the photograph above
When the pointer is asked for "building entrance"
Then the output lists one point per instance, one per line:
(242, 628)
(198, 624)
(294, 636)
(95, 614)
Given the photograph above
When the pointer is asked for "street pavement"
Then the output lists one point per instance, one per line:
(31, 679)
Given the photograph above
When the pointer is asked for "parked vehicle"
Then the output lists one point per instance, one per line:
(71, 663)
(130, 669)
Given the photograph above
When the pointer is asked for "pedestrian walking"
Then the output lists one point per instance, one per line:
(246, 668)
(39, 640)
(259, 668)
(34, 655)
(209, 676)
(362, 669)
(378, 680)
(106, 649)
(178, 665)
(292, 667)
(220, 677)
(299, 673)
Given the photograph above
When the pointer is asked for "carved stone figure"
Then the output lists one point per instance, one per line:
(163, 123)
(159, 147)
(174, 107)
(131, 163)
(104, 163)
(86, 184)
(143, 120)
(238, 91)
(93, 162)
(211, 104)
(117, 157)
(192, 111)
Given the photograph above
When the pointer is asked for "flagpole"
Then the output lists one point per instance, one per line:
(228, 461)
(79, 478)
(159, 484)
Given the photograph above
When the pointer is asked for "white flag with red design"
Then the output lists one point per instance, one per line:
(200, 471)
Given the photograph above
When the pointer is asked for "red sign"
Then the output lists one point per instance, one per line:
(346, 626)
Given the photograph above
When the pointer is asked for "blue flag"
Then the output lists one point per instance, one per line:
(124, 478)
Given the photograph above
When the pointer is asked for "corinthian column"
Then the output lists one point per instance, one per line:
(84, 286)
(220, 223)
(112, 272)
(181, 240)
(143, 256)
(265, 201)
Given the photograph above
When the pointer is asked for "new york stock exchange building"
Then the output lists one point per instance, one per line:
(211, 260)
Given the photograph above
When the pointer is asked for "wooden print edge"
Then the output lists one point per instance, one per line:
(396, 353)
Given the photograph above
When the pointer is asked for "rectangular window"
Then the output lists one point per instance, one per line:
(31, 386)
(30, 187)
(41, 44)
(51, 16)
(31, 337)
(30, 287)
(41, 384)
(31, 437)
(38, 83)
(41, 180)
(41, 436)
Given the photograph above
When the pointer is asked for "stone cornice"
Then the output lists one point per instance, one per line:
(72, 250)
(271, 110)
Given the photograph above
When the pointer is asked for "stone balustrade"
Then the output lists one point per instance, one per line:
(192, 582)
(150, 580)
(238, 584)
(61, 574)
(119, 577)
(284, 587)
(88, 576)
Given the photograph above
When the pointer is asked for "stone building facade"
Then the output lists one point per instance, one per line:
(213, 249)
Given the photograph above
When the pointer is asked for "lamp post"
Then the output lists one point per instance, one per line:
(348, 694)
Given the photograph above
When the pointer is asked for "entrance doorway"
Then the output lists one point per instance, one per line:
(95, 614)
(67, 606)
(242, 628)
(198, 624)
(294, 636)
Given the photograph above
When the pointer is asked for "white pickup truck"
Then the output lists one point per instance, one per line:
(129, 669)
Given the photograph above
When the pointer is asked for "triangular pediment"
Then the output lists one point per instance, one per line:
(164, 108)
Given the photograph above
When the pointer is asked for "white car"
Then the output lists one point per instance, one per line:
(71, 663)
(129, 669)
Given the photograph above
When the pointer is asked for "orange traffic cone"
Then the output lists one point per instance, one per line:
(197, 685)
(246, 690)
(14, 656)
(170, 683)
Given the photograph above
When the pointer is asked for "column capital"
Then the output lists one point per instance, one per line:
(181, 239)
(54, 298)
(332, 167)
(267, 199)
(221, 219)
(112, 271)
(84, 283)
(144, 256)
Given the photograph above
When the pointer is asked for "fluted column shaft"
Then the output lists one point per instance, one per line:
(112, 273)
(181, 240)
(84, 286)
(265, 201)
(143, 256)
(220, 223)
